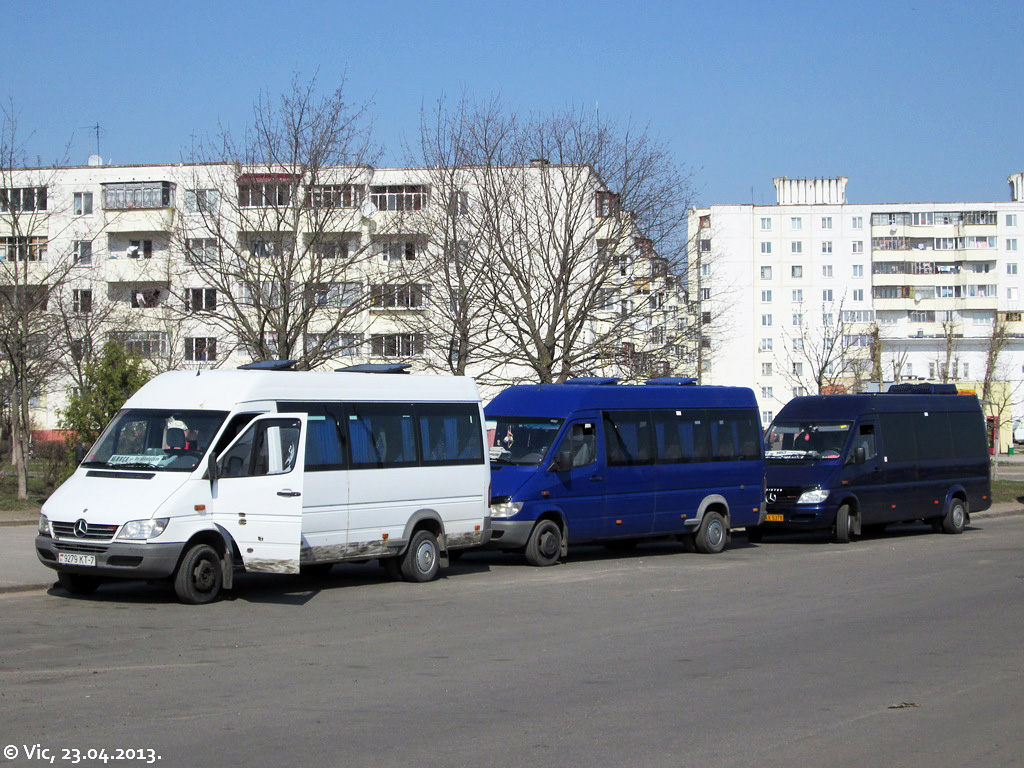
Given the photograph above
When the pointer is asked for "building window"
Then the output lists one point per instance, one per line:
(705, 294)
(605, 204)
(145, 298)
(271, 192)
(826, 222)
(766, 248)
(204, 200)
(826, 270)
(201, 348)
(826, 295)
(200, 299)
(705, 246)
(83, 203)
(705, 271)
(399, 197)
(138, 194)
(332, 294)
(798, 369)
(766, 369)
(199, 250)
(858, 270)
(796, 247)
(140, 249)
(22, 248)
(387, 296)
(1011, 243)
(798, 294)
(858, 246)
(796, 222)
(766, 320)
(1011, 294)
(796, 271)
(766, 393)
(767, 416)
(858, 294)
(858, 222)
(799, 391)
(766, 273)
(766, 296)
(766, 224)
(826, 246)
(81, 252)
(766, 345)
(798, 319)
(1011, 268)
(334, 345)
(398, 250)
(397, 345)
(147, 344)
(81, 301)
(334, 195)
(1011, 219)
(23, 199)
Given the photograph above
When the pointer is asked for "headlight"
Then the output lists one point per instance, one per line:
(44, 526)
(505, 508)
(143, 529)
(815, 496)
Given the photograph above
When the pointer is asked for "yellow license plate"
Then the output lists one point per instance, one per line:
(773, 518)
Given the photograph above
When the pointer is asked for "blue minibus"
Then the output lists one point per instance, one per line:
(855, 463)
(591, 460)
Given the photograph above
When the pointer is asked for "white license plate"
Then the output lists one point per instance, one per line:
(68, 558)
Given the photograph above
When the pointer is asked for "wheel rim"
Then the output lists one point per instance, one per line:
(716, 533)
(425, 557)
(549, 543)
(957, 516)
(204, 576)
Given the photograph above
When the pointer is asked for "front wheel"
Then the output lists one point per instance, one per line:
(955, 518)
(844, 525)
(421, 561)
(711, 535)
(199, 576)
(78, 583)
(544, 546)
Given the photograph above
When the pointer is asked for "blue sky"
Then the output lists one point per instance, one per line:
(912, 100)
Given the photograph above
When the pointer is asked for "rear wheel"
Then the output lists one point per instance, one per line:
(844, 524)
(955, 518)
(78, 583)
(711, 536)
(199, 576)
(544, 546)
(421, 561)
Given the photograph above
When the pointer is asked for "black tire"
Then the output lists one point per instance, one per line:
(844, 525)
(199, 576)
(421, 561)
(712, 534)
(544, 546)
(755, 535)
(955, 518)
(78, 583)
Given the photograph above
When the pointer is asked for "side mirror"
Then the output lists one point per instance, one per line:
(212, 467)
(860, 455)
(562, 462)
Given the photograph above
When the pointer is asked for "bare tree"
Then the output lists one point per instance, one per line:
(272, 232)
(573, 230)
(825, 353)
(32, 276)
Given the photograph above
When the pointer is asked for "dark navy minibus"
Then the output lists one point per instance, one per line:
(855, 463)
(591, 460)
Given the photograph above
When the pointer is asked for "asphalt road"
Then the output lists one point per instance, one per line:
(902, 650)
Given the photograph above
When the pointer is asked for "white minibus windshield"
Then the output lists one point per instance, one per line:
(155, 439)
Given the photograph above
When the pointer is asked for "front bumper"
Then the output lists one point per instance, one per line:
(803, 516)
(121, 560)
(509, 534)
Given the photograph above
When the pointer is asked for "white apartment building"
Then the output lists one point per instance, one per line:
(158, 256)
(816, 293)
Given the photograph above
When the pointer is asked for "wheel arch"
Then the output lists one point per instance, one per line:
(714, 502)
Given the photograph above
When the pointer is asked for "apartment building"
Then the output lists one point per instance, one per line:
(194, 266)
(814, 294)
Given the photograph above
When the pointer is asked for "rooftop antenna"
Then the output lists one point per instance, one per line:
(96, 129)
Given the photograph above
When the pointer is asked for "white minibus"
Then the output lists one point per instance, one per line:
(203, 472)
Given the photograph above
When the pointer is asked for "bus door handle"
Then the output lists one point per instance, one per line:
(288, 493)
(596, 478)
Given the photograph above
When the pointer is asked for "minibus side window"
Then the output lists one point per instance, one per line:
(382, 435)
(968, 434)
(266, 448)
(898, 436)
(933, 436)
(628, 438)
(324, 438)
(865, 439)
(581, 442)
(450, 433)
